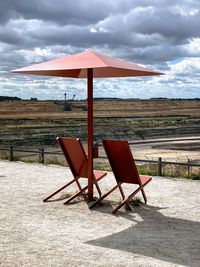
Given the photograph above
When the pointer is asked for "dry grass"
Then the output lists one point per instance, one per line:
(124, 108)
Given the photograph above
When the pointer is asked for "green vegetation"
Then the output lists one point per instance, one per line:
(4, 98)
(150, 169)
(194, 176)
(54, 160)
(181, 171)
(5, 155)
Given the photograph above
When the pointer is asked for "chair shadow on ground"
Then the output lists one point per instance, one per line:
(66, 195)
(156, 235)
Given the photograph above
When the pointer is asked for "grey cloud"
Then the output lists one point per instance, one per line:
(137, 28)
(142, 31)
(160, 53)
(10, 36)
(168, 24)
(62, 12)
(173, 27)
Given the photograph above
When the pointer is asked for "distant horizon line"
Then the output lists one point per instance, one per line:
(4, 98)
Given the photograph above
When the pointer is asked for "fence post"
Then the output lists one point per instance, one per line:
(41, 155)
(188, 167)
(11, 153)
(160, 166)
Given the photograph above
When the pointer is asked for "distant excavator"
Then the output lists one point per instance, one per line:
(69, 105)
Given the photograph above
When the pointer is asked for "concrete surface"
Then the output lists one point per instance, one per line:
(166, 232)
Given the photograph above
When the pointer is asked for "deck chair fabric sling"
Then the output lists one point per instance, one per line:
(77, 160)
(124, 169)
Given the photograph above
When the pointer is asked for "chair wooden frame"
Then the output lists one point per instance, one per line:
(76, 157)
(125, 171)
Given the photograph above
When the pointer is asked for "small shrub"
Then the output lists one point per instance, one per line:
(30, 160)
(194, 176)
(102, 167)
(135, 202)
(148, 169)
(4, 155)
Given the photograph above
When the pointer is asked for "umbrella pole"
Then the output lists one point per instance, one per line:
(90, 133)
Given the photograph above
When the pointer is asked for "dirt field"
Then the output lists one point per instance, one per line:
(164, 233)
(124, 108)
(35, 124)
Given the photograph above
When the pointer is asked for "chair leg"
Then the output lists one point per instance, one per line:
(60, 189)
(144, 196)
(127, 199)
(103, 196)
(76, 195)
(121, 191)
(97, 187)
(78, 184)
(82, 190)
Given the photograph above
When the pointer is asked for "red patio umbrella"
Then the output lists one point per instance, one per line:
(88, 65)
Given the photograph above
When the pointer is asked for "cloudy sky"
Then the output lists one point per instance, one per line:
(162, 35)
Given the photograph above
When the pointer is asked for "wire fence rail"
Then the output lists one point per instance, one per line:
(42, 154)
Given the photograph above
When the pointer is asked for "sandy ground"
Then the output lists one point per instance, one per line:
(149, 152)
(166, 232)
(152, 149)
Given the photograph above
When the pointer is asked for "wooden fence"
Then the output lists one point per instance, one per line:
(41, 158)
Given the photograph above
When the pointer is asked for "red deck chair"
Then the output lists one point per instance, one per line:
(124, 169)
(75, 156)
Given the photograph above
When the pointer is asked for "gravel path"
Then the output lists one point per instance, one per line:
(166, 232)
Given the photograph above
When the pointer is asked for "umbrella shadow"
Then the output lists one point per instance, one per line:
(158, 236)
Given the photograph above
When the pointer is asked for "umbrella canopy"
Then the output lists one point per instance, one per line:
(75, 66)
(88, 65)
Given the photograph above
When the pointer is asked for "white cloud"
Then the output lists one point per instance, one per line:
(194, 46)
